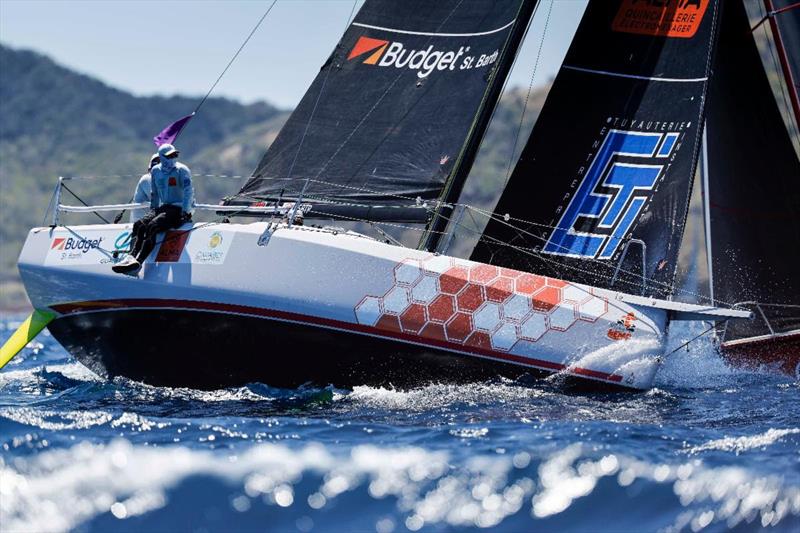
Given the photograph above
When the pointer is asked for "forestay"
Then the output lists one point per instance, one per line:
(609, 164)
(379, 130)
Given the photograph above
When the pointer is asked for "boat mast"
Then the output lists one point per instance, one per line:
(784, 59)
(707, 214)
(455, 184)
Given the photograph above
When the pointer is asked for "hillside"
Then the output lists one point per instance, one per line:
(56, 122)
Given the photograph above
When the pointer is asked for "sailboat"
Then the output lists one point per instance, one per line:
(752, 207)
(573, 275)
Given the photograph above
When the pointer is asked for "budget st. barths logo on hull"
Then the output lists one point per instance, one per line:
(615, 188)
(78, 249)
(82, 245)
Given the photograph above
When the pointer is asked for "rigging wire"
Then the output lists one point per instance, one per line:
(363, 119)
(119, 215)
(768, 14)
(507, 220)
(319, 97)
(449, 183)
(524, 250)
(252, 32)
(540, 255)
(783, 89)
(483, 238)
(64, 186)
(381, 97)
(488, 215)
(528, 94)
(685, 344)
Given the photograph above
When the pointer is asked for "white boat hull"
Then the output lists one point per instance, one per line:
(213, 308)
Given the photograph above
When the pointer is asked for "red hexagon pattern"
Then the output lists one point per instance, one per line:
(482, 306)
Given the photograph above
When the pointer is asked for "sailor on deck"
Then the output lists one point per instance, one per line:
(171, 200)
(143, 191)
(140, 196)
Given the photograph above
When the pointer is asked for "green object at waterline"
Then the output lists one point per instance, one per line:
(29, 329)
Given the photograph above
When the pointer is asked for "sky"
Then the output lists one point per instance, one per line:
(150, 47)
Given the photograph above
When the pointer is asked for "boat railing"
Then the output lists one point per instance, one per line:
(759, 308)
(58, 207)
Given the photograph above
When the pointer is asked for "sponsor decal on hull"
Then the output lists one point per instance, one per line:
(77, 250)
(123, 306)
(477, 305)
(106, 247)
(123, 241)
(663, 18)
(190, 247)
(211, 250)
(172, 246)
(623, 329)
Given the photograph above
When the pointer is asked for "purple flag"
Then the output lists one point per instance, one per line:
(168, 134)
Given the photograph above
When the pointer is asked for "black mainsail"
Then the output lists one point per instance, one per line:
(386, 118)
(611, 158)
(752, 179)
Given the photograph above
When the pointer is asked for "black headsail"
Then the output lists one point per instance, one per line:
(753, 187)
(611, 158)
(388, 114)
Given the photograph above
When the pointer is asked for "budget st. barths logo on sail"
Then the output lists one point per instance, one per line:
(615, 188)
(383, 53)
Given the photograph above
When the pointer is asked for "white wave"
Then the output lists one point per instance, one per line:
(145, 392)
(698, 365)
(136, 422)
(56, 420)
(32, 376)
(637, 360)
(58, 490)
(741, 444)
(470, 433)
(436, 396)
(71, 420)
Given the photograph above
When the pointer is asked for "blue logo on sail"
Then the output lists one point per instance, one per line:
(608, 201)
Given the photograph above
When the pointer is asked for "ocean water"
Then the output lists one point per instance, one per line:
(710, 448)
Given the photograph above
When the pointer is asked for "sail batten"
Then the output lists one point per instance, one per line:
(634, 76)
(434, 34)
